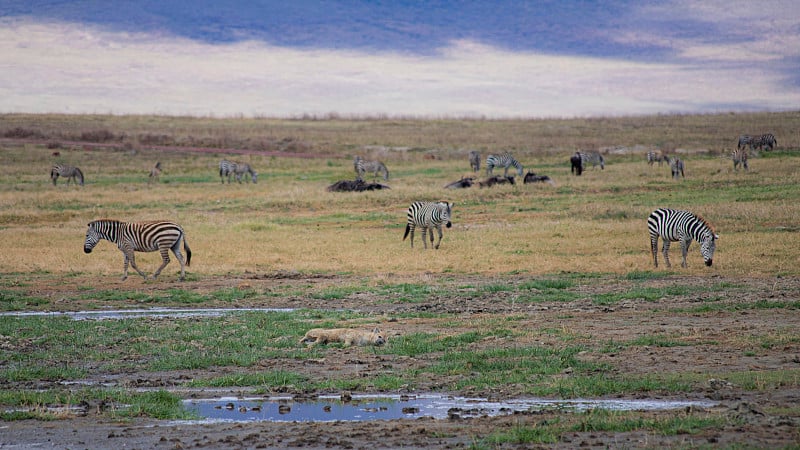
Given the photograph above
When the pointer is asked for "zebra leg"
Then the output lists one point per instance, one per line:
(439, 229)
(654, 249)
(176, 250)
(684, 251)
(425, 237)
(666, 252)
(164, 261)
(430, 230)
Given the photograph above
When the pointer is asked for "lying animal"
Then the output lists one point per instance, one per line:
(460, 184)
(355, 186)
(497, 179)
(347, 336)
(531, 177)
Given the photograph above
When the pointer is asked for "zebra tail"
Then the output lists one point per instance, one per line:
(80, 173)
(408, 229)
(188, 252)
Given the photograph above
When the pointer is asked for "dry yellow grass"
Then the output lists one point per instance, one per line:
(593, 223)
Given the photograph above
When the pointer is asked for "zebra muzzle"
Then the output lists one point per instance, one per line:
(87, 250)
(449, 224)
(709, 262)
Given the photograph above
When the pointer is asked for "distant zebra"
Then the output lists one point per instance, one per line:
(226, 169)
(475, 160)
(744, 141)
(595, 158)
(362, 166)
(505, 161)
(576, 163)
(677, 168)
(68, 172)
(133, 237)
(657, 156)
(155, 173)
(674, 225)
(240, 169)
(428, 215)
(766, 142)
(739, 156)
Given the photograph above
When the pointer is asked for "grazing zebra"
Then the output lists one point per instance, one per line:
(505, 161)
(68, 172)
(226, 169)
(240, 169)
(133, 237)
(428, 215)
(744, 141)
(739, 156)
(674, 225)
(577, 164)
(677, 168)
(657, 156)
(155, 173)
(362, 166)
(594, 158)
(475, 160)
(765, 141)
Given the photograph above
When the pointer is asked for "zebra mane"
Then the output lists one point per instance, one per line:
(705, 222)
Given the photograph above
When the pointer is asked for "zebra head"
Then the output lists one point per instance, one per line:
(92, 238)
(708, 246)
(446, 209)
(254, 176)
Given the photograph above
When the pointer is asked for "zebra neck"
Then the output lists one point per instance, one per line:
(109, 229)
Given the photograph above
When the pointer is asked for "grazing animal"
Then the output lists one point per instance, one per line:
(765, 141)
(355, 186)
(68, 172)
(362, 166)
(595, 158)
(531, 177)
(133, 237)
(677, 168)
(657, 156)
(347, 336)
(428, 215)
(505, 161)
(497, 179)
(475, 160)
(226, 169)
(460, 184)
(577, 164)
(739, 156)
(744, 141)
(155, 173)
(240, 169)
(673, 225)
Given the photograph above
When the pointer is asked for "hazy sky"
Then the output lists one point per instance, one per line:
(443, 58)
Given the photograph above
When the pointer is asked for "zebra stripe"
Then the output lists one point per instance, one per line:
(673, 225)
(739, 156)
(240, 169)
(744, 141)
(765, 141)
(133, 237)
(475, 160)
(428, 215)
(505, 161)
(595, 158)
(657, 156)
(677, 168)
(362, 166)
(226, 169)
(68, 172)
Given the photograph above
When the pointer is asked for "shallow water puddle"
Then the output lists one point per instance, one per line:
(136, 313)
(364, 408)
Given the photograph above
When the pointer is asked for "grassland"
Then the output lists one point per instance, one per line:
(537, 290)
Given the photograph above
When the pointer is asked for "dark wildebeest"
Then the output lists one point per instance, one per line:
(577, 164)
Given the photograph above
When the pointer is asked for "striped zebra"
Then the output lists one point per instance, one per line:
(240, 169)
(133, 237)
(744, 141)
(428, 215)
(505, 161)
(673, 225)
(676, 165)
(362, 166)
(657, 156)
(475, 160)
(155, 173)
(68, 172)
(765, 142)
(739, 156)
(226, 169)
(595, 158)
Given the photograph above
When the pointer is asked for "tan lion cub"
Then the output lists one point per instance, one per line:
(348, 336)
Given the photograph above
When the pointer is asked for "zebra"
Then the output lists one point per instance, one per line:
(674, 225)
(428, 215)
(739, 156)
(226, 169)
(155, 173)
(765, 141)
(240, 169)
(594, 158)
(657, 156)
(744, 141)
(505, 161)
(68, 172)
(362, 166)
(577, 164)
(677, 168)
(133, 237)
(475, 160)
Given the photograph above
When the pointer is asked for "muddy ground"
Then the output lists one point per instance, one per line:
(719, 343)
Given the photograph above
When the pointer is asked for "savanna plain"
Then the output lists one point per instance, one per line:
(537, 291)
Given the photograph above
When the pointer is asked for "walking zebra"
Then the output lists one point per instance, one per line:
(505, 161)
(428, 215)
(765, 141)
(68, 172)
(133, 237)
(674, 225)
(362, 166)
(739, 156)
(577, 164)
(657, 156)
(155, 173)
(475, 160)
(594, 158)
(677, 168)
(240, 169)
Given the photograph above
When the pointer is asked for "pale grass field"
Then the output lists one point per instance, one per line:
(288, 222)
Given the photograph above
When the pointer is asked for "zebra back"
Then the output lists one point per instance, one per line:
(505, 161)
(594, 158)
(744, 141)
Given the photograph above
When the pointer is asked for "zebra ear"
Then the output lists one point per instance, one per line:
(716, 236)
